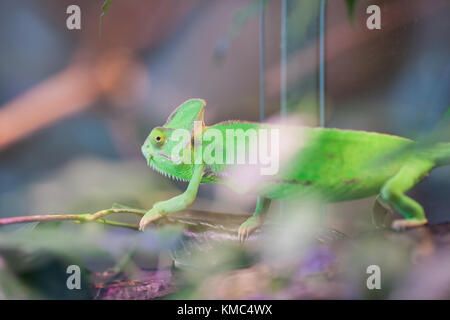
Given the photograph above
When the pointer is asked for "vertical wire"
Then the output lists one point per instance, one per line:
(322, 64)
(261, 61)
(283, 75)
(322, 79)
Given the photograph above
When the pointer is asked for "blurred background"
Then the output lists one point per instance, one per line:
(76, 105)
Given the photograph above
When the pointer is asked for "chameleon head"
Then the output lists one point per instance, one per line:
(158, 149)
(155, 145)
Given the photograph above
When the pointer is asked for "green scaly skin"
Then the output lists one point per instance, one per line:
(335, 165)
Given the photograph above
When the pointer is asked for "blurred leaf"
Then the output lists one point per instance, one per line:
(11, 287)
(27, 226)
(122, 206)
(47, 225)
(351, 4)
(75, 242)
(105, 8)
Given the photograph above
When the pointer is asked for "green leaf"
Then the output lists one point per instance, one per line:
(351, 4)
(105, 8)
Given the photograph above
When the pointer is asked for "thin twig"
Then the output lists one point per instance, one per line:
(218, 221)
(78, 218)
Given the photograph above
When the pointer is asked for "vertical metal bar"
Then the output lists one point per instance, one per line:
(322, 79)
(283, 75)
(322, 64)
(261, 61)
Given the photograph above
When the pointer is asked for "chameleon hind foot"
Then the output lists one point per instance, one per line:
(403, 224)
(394, 190)
(248, 227)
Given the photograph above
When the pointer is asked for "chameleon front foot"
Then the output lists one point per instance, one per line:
(402, 224)
(248, 227)
(149, 217)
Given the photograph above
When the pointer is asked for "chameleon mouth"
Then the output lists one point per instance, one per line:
(164, 156)
(150, 156)
(168, 175)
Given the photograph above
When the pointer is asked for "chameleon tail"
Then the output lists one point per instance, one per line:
(440, 151)
(442, 154)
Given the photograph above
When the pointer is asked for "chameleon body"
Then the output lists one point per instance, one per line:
(334, 164)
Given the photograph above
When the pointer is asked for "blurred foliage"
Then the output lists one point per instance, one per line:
(105, 8)
(34, 256)
(38, 258)
(351, 4)
(295, 258)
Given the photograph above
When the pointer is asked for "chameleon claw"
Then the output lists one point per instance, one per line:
(247, 228)
(244, 234)
(241, 236)
(148, 218)
(403, 224)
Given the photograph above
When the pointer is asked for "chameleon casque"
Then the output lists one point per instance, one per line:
(334, 163)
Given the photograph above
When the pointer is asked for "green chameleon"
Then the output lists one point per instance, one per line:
(336, 164)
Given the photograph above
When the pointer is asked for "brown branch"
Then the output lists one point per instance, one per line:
(50, 217)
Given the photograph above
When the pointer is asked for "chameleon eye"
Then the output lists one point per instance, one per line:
(158, 139)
